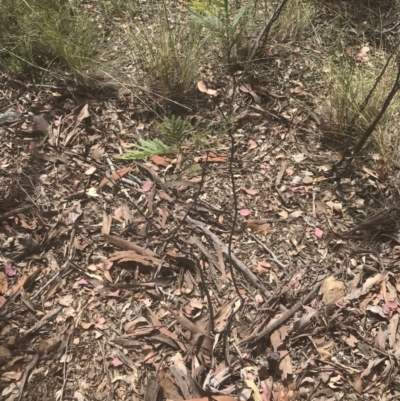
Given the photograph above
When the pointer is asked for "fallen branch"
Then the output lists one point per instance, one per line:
(14, 212)
(44, 320)
(285, 317)
(240, 266)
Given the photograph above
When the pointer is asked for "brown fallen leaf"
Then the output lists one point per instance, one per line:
(41, 125)
(105, 229)
(132, 256)
(170, 389)
(116, 175)
(3, 283)
(256, 225)
(358, 384)
(212, 158)
(163, 195)
(49, 345)
(161, 161)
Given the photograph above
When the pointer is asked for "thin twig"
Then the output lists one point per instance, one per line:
(31, 365)
(44, 320)
(239, 265)
(274, 258)
(262, 37)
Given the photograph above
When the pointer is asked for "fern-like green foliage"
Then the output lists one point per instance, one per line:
(174, 131)
(218, 18)
(147, 149)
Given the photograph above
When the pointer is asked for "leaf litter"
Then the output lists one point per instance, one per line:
(116, 279)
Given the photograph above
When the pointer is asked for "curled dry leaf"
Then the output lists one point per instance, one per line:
(252, 144)
(147, 186)
(298, 158)
(332, 290)
(263, 267)
(202, 87)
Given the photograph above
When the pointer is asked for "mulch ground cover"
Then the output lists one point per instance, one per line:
(242, 269)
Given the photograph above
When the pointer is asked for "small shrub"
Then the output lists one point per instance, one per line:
(349, 83)
(228, 25)
(174, 132)
(40, 32)
(165, 51)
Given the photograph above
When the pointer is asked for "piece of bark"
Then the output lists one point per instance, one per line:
(128, 246)
(153, 389)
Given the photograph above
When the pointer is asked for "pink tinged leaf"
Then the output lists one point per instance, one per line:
(259, 300)
(102, 320)
(244, 212)
(9, 270)
(318, 233)
(252, 144)
(82, 282)
(391, 305)
(113, 294)
(116, 362)
(147, 186)
(294, 189)
(107, 264)
(264, 263)
(251, 191)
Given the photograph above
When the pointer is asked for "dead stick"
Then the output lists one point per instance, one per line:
(239, 265)
(31, 365)
(44, 320)
(14, 212)
(285, 317)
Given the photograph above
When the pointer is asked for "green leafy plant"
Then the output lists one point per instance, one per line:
(174, 132)
(146, 149)
(218, 17)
